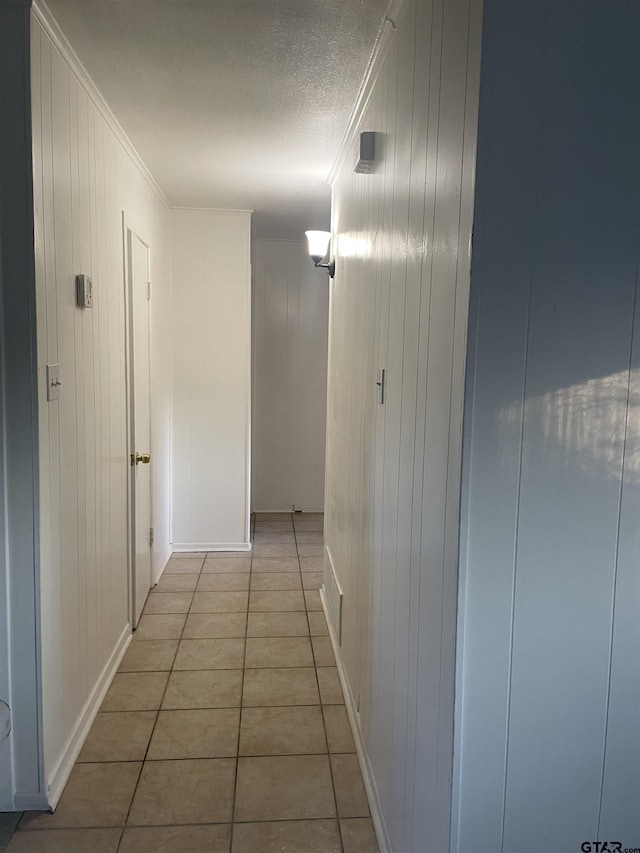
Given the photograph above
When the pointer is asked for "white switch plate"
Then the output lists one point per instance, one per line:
(53, 382)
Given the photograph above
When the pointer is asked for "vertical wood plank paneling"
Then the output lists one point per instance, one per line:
(51, 591)
(84, 484)
(449, 288)
(406, 435)
(382, 605)
(109, 557)
(112, 290)
(84, 179)
(362, 649)
(388, 92)
(399, 303)
(496, 514)
(550, 562)
(290, 316)
(68, 401)
(618, 817)
(102, 424)
(418, 269)
(89, 324)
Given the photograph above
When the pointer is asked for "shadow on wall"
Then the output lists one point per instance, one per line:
(581, 425)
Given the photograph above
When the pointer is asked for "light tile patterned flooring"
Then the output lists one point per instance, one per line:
(225, 729)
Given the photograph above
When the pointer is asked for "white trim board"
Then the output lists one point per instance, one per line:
(29, 803)
(43, 14)
(83, 724)
(370, 786)
(287, 509)
(210, 546)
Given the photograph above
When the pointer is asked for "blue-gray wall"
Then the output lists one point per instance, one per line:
(547, 751)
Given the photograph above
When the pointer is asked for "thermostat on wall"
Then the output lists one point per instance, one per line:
(367, 152)
(84, 291)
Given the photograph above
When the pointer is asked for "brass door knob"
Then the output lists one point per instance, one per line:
(137, 458)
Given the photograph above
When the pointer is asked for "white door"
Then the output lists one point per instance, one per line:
(138, 254)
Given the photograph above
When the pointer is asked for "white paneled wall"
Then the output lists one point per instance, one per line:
(290, 315)
(211, 379)
(399, 301)
(85, 176)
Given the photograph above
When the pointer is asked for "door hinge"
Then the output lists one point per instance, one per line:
(152, 535)
(148, 290)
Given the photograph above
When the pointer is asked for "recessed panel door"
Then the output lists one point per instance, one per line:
(140, 421)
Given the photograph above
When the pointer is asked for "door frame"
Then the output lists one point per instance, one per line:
(130, 228)
(23, 784)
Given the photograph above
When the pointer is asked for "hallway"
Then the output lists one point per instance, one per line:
(225, 728)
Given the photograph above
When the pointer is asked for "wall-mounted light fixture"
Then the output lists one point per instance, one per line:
(318, 247)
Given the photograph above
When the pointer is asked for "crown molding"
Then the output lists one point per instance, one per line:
(380, 49)
(43, 15)
(239, 210)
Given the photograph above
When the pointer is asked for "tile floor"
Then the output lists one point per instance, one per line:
(225, 728)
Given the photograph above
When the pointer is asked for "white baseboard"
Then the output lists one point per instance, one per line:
(211, 546)
(288, 509)
(368, 778)
(64, 765)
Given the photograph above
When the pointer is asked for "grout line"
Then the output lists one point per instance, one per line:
(61, 829)
(244, 661)
(326, 752)
(48, 830)
(224, 757)
(324, 724)
(135, 790)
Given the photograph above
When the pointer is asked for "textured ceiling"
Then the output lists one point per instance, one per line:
(231, 103)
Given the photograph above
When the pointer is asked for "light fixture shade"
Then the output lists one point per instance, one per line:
(318, 243)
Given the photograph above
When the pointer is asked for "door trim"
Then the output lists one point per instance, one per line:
(130, 228)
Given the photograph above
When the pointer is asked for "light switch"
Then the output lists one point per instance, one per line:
(53, 381)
